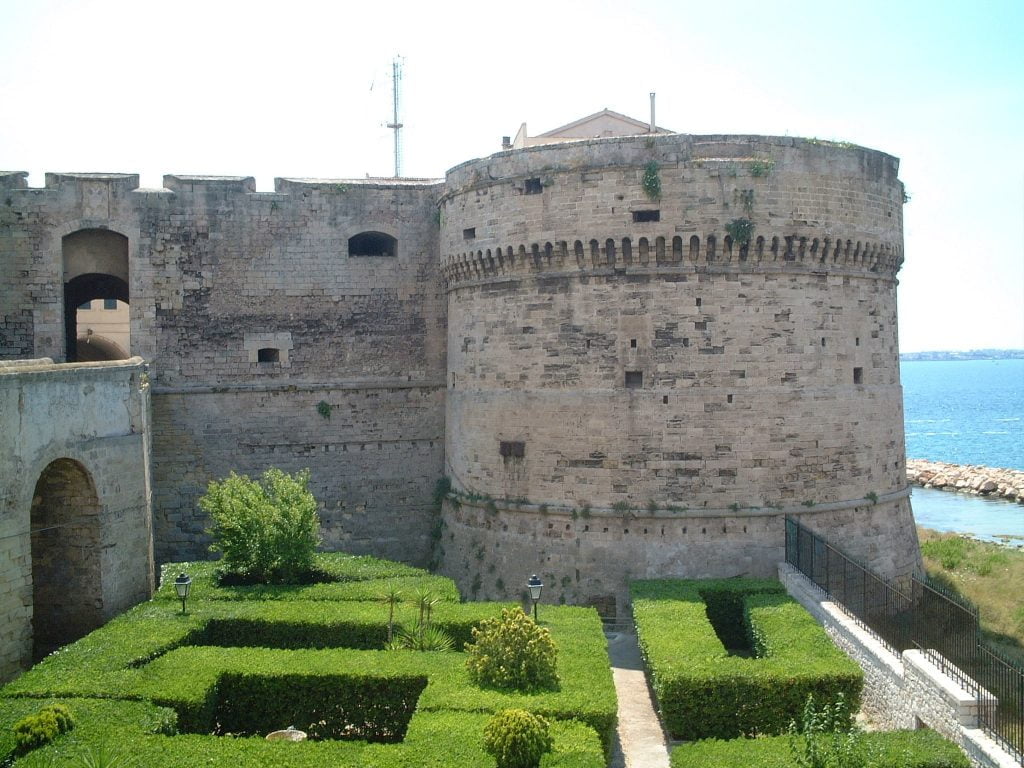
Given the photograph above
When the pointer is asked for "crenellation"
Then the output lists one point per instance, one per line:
(634, 348)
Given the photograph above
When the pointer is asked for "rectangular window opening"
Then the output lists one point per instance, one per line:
(664, 399)
(632, 343)
(86, 305)
(643, 216)
(634, 379)
(110, 303)
(533, 187)
(469, 234)
(268, 355)
(512, 449)
(698, 302)
(858, 375)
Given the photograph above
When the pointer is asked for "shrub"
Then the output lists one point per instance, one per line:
(512, 652)
(267, 530)
(517, 738)
(44, 726)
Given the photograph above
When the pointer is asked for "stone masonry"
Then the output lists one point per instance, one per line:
(74, 470)
(620, 381)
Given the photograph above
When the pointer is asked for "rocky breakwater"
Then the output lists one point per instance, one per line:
(981, 481)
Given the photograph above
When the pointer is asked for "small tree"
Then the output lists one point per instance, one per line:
(512, 652)
(516, 738)
(267, 530)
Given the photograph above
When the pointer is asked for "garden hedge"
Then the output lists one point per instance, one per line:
(703, 690)
(139, 730)
(240, 662)
(893, 749)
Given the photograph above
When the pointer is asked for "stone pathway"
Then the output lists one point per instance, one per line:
(639, 740)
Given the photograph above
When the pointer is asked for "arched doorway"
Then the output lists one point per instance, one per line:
(67, 600)
(96, 283)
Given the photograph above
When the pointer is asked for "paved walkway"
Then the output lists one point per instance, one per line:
(639, 741)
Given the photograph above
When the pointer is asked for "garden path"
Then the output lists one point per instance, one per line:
(639, 740)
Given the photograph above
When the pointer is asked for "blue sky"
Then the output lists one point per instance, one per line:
(302, 89)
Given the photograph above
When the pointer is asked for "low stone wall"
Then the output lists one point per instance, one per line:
(980, 481)
(901, 691)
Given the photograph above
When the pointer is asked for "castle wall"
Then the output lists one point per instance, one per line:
(78, 434)
(353, 388)
(616, 350)
(656, 332)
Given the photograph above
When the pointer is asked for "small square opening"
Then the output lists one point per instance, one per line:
(858, 375)
(533, 187)
(268, 355)
(634, 379)
(644, 216)
(469, 234)
(512, 449)
(664, 399)
(632, 343)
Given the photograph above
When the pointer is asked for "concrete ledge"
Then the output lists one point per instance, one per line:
(901, 690)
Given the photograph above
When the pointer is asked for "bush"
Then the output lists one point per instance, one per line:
(512, 652)
(517, 739)
(267, 530)
(44, 726)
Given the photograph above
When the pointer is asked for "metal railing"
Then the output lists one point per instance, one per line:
(910, 613)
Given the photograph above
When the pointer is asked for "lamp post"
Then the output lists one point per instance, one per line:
(182, 585)
(535, 585)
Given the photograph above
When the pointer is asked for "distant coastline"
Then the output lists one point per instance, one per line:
(973, 354)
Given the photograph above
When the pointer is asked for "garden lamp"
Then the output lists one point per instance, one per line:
(535, 585)
(182, 585)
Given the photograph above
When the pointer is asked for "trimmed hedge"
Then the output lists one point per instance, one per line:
(894, 749)
(702, 690)
(345, 577)
(234, 664)
(137, 729)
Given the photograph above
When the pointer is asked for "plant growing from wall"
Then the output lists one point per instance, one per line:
(324, 409)
(761, 166)
(267, 530)
(651, 181)
(740, 230)
(872, 497)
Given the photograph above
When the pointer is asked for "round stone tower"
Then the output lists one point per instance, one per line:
(659, 347)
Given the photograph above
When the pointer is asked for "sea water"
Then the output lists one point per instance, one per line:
(966, 412)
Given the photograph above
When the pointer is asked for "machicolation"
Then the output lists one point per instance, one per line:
(632, 356)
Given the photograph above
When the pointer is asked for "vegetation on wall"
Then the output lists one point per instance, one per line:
(651, 181)
(740, 230)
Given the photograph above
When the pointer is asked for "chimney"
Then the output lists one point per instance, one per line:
(653, 126)
(506, 142)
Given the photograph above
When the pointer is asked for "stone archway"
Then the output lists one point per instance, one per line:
(67, 596)
(95, 267)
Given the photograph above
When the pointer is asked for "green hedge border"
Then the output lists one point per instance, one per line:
(153, 653)
(894, 749)
(139, 729)
(702, 691)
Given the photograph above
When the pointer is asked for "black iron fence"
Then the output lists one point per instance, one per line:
(909, 613)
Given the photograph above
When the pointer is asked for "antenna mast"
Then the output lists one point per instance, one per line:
(396, 93)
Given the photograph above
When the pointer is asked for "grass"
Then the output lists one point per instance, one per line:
(989, 575)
